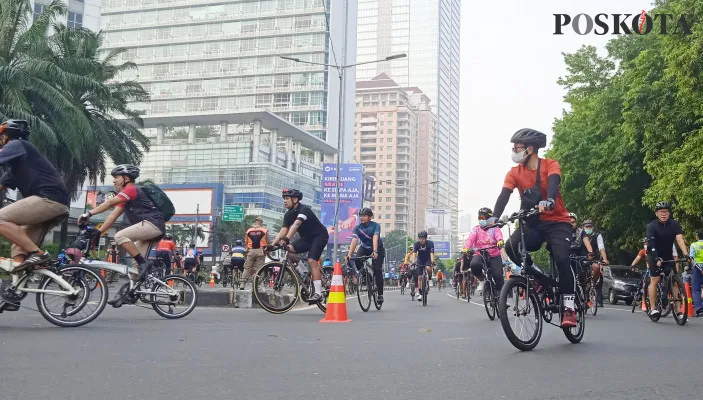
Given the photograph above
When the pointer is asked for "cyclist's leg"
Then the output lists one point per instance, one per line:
(250, 264)
(654, 279)
(378, 270)
(558, 236)
(143, 232)
(476, 267)
(167, 259)
(533, 242)
(697, 281)
(496, 269)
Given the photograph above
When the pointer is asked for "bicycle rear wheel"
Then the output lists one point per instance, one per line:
(177, 291)
(363, 292)
(326, 284)
(276, 299)
(592, 301)
(488, 300)
(425, 289)
(681, 301)
(528, 307)
(575, 334)
(91, 301)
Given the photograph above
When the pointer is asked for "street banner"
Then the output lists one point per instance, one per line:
(351, 181)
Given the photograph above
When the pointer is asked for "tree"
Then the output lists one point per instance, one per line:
(397, 238)
(182, 234)
(229, 231)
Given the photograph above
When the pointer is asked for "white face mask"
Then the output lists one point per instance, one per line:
(518, 157)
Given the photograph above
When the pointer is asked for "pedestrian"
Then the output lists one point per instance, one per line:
(257, 237)
(696, 254)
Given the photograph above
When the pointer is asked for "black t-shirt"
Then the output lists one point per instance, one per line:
(423, 252)
(31, 173)
(457, 267)
(311, 225)
(661, 238)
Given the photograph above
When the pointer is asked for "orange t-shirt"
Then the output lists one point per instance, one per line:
(440, 275)
(524, 178)
(166, 245)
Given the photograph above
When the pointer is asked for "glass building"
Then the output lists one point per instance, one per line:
(80, 13)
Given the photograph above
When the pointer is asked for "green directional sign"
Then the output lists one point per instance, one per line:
(233, 213)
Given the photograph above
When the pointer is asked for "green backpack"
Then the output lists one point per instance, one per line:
(160, 200)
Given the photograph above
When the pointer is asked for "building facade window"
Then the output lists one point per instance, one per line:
(75, 20)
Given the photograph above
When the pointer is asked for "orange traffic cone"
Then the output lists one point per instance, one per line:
(212, 280)
(644, 306)
(336, 302)
(691, 311)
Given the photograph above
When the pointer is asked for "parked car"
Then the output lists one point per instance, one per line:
(620, 283)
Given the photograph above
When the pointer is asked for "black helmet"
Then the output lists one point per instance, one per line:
(126, 170)
(292, 193)
(662, 205)
(530, 137)
(366, 211)
(238, 242)
(422, 235)
(485, 211)
(15, 128)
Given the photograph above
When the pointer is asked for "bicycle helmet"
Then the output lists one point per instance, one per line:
(292, 193)
(15, 128)
(366, 211)
(572, 215)
(168, 237)
(464, 250)
(530, 137)
(422, 235)
(126, 170)
(662, 205)
(411, 248)
(588, 222)
(238, 242)
(485, 212)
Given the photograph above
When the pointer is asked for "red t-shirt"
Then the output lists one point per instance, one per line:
(166, 245)
(524, 178)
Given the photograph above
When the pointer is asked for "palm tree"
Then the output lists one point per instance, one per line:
(183, 233)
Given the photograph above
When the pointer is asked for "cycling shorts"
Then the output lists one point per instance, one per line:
(666, 268)
(188, 263)
(313, 246)
(237, 262)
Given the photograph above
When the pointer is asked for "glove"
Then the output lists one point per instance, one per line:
(84, 218)
(547, 204)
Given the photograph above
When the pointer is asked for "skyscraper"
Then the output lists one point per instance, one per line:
(428, 31)
(80, 14)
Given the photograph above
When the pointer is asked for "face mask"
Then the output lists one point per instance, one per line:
(518, 157)
(588, 231)
(482, 222)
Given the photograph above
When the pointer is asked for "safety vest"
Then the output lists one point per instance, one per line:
(698, 249)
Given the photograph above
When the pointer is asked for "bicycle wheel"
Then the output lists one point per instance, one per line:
(593, 301)
(327, 274)
(226, 280)
(412, 289)
(363, 292)
(665, 298)
(236, 277)
(575, 334)
(425, 289)
(488, 300)
(178, 291)
(375, 296)
(527, 306)
(458, 289)
(73, 306)
(470, 288)
(637, 299)
(681, 301)
(276, 299)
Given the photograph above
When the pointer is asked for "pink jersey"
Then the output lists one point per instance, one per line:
(480, 239)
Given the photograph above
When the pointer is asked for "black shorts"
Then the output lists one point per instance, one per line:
(655, 271)
(188, 264)
(237, 263)
(313, 246)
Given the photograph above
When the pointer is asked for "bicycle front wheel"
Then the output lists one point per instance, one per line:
(521, 321)
(679, 302)
(425, 289)
(73, 310)
(178, 297)
(593, 301)
(274, 297)
(488, 297)
(363, 292)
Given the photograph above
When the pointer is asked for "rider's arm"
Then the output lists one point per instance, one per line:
(11, 151)
(294, 228)
(682, 243)
(281, 234)
(7, 181)
(352, 247)
(110, 220)
(587, 243)
(553, 181)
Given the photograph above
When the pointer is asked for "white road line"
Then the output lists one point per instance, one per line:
(453, 296)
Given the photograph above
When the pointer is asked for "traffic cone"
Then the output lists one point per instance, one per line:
(644, 306)
(689, 295)
(336, 302)
(212, 280)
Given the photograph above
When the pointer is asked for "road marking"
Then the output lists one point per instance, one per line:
(315, 305)
(453, 296)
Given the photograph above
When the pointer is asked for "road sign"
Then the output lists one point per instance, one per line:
(225, 247)
(233, 213)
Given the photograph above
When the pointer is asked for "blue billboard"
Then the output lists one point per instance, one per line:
(351, 181)
(442, 250)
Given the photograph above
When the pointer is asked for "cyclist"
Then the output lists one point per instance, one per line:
(238, 256)
(177, 261)
(482, 236)
(423, 256)
(313, 235)
(112, 254)
(662, 232)
(44, 195)
(552, 224)
(368, 236)
(457, 276)
(190, 260)
(577, 247)
(164, 249)
(147, 222)
(595, 244)
(697, 273)
(440, 279)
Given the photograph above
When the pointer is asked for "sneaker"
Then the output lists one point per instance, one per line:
(380, 299)
(569, 319)
(419, 297)
(144, 270)
(654, 313)
(314, 298)
(32, 261)
(117, 302)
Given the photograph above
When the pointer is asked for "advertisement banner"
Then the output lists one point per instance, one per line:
(442, 250)
(351, 181)
(438, 221)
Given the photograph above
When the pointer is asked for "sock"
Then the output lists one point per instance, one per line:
(139, 259)
(318, 286)
(569, 302)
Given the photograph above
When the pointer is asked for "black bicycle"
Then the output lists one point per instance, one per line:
(582, 267)
(424, 285)
(367, 284)
(490, 295)
(535, 296)
(674, 301)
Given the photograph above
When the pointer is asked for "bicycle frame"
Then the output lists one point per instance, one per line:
(19, 281)
(124, 270)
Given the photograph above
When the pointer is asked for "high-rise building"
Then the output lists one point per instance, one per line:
(385, 141)
(428, 31)
(81, 13)
(225, 107)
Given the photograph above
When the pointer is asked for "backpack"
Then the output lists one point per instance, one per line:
(160, 200)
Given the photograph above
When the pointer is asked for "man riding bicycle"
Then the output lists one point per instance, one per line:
(147, 222)
(313, 235)
(238, 260)
(661, 234)
(593, 241)
(423, 257)
(481, 237)
(164, 250)
(190, 260)
(538, 181)
(368, 235)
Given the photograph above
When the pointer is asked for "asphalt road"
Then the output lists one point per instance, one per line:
(448, 350)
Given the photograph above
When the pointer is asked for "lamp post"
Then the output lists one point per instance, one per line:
(340, 72)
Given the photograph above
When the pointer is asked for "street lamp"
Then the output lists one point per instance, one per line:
(340, 71)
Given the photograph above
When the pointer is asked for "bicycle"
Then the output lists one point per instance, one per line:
(425, 286)
(402, 282)
(277, 275)
(231, 276)
(667, 284)
(73, 285)
(639, 294)
(367, 284)
(490, 296)
(541, 295)
(582, 267)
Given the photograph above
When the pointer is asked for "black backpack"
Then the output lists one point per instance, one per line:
(160, 200)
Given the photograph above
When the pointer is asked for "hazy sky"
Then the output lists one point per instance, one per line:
(510, 62)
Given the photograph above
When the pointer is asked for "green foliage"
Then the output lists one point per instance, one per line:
(633, 135)
(229, 231)
(5, 247)
(397, 238)
(183, 233)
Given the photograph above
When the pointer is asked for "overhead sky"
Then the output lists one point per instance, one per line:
(510, 62)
